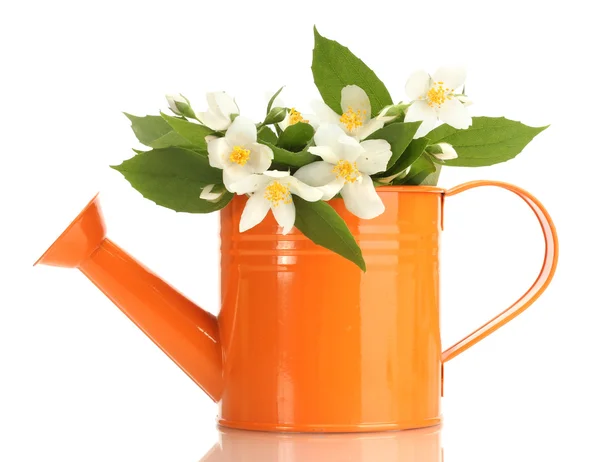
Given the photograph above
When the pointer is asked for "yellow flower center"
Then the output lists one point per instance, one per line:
(276, 193)
(352, 119)
(438, 94)
(296, 117)
(346, 170)
(239, 155)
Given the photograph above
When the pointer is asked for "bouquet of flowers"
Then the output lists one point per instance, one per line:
(293, 163)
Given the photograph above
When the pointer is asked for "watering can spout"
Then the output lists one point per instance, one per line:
(185, 332)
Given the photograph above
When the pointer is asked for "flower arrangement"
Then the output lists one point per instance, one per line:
(293, 163)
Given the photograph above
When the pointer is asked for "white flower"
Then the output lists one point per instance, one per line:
(443, 151)
(433, 98)
(221, 107)
(180, 105)
(346, 166)
(293, 117)
(273, 191)
(356, 118)
(208, 195)
(238, 153)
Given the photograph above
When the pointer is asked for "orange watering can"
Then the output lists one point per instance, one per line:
(305, 341)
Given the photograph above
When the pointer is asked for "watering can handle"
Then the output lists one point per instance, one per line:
(540, 284)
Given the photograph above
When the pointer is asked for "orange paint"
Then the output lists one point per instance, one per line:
(305, 341)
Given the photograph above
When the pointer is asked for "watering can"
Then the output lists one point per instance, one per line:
(305, 341)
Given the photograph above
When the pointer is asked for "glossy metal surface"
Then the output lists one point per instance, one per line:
(539, 285)
(186, 333)
(422, 445)
(305, 341)
(318, 345)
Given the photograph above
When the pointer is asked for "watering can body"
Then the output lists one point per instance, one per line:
(305, 341)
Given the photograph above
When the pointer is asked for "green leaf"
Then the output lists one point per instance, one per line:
(272, 100)
(399, 135)
(408, 157)
(489, 141)
(291, 159)
(334, 67)
(153, 131)
(266, 135)
(321, 224)
(193, 132)
(174, 177)
(419, 171)
(295, 137)
(432, 178)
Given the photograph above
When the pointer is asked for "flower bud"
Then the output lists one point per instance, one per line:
(212, 193)
(180, 105)
(394, 110)
(275, 115)
(464, 99)
(399, 175)
(442, 151)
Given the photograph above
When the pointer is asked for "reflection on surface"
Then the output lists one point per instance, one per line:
(421, 445)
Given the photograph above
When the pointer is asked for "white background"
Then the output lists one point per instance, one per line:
(79, 381)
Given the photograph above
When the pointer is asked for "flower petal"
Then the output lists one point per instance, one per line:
(362, 200)
(453, 77)
(260, 157)
(232, 174)
(218, 149)
(223, 104)
(213, 120)
(376, 157)
(455, 114)
(324, 152)
(324, 113)
(316, 174)
(255, 211)
(308, 193)
(418, 85)
(420, 110)
(328, 135)
(250, 183)
(448, 152)
(355, 98)
(332, 188)
(242, 132)
(285, 215)
(349, 148)
(277, 173)
(426, 126)
(313, 120)
(320, 174)
(370, 127)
